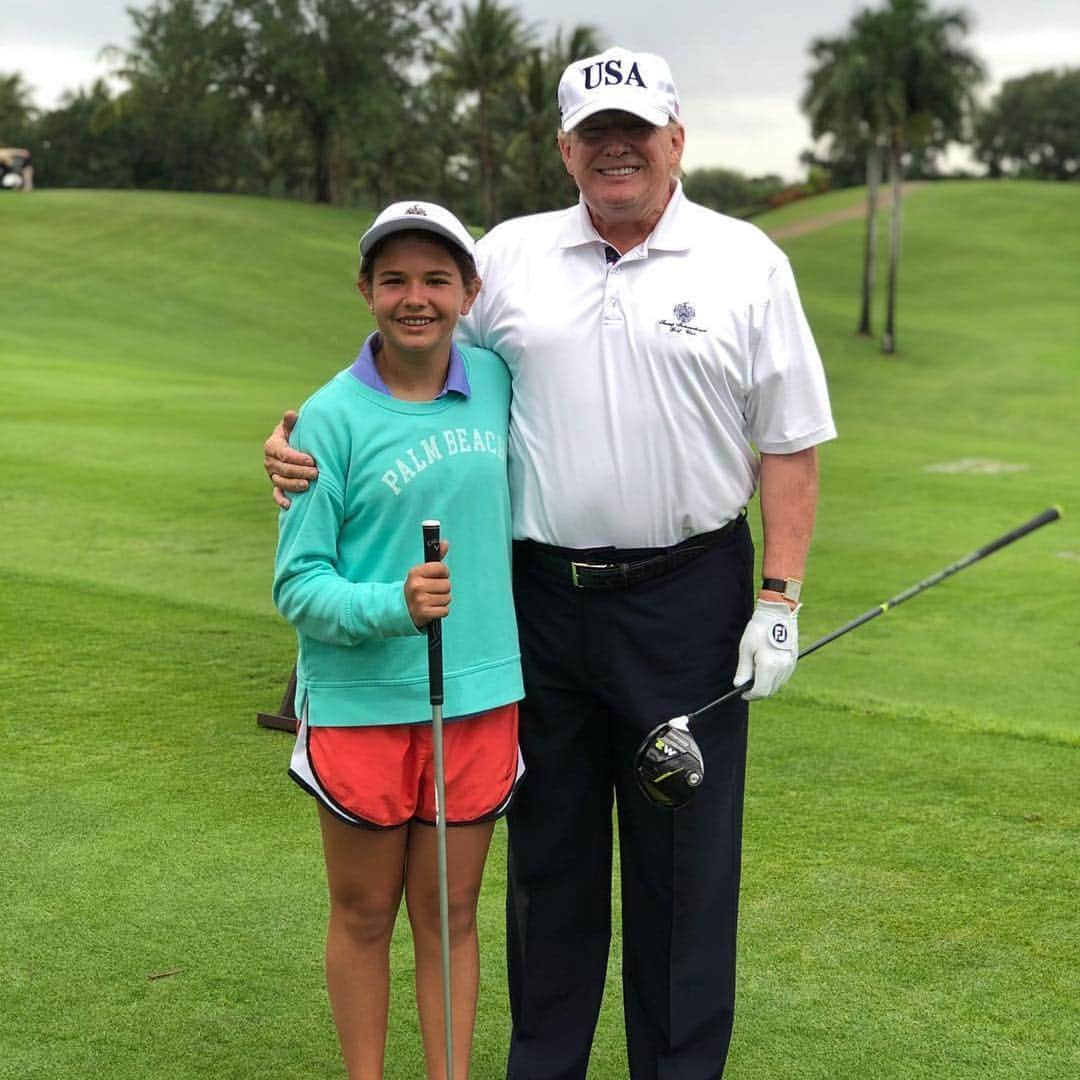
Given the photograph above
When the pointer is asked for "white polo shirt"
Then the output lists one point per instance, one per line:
(641, 388)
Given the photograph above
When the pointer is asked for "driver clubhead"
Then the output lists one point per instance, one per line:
(668, 765)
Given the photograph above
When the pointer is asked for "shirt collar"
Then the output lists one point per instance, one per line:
(674, 231)
(365, 370)
(671, 233)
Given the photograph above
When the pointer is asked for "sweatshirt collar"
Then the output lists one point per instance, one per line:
(365, 370)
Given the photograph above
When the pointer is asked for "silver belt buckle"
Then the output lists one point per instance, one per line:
(585, 566)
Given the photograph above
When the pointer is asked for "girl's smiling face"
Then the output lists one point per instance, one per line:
(417, 294)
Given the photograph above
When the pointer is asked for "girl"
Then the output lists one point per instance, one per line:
(416, 428)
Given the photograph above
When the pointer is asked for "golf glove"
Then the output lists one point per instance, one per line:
(768, 649)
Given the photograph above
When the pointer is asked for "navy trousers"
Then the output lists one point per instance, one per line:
(602, 668)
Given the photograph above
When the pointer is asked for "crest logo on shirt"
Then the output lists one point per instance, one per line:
(683, 314)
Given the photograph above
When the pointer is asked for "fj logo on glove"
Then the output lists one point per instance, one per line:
(779, 634)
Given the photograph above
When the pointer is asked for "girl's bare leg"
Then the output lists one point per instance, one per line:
(365, 871)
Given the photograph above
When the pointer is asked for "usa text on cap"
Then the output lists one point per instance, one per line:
(638, 83)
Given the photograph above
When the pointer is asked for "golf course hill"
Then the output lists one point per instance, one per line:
(152, 339)
(908, 893)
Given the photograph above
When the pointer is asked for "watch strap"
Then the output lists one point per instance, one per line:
(789, 588)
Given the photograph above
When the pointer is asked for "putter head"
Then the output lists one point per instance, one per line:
(668, 764)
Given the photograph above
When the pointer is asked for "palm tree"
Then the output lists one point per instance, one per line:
(535, 98)
(900, 79)
(844, 100)
(581, 42)
(485, 51)
(928, 81)
(545, 184)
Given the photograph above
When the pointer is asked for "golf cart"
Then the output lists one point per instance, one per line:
(16, 172)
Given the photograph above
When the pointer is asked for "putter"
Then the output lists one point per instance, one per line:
(435, 686)
(668, 764)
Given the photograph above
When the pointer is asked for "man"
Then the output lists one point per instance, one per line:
(653, 345)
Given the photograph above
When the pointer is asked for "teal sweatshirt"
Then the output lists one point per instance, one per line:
(348, 542)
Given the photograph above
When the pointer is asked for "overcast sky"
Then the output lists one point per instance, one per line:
(740, 67)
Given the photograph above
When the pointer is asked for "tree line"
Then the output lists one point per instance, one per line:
(356, 100)
(343, 101)
(361, 101)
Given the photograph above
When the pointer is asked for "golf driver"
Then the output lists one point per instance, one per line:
(668, 764)
(432, 553)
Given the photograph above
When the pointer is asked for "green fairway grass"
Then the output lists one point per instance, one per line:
(913, 818)
(989, 368)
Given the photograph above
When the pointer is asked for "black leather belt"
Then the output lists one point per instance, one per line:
(620, 575)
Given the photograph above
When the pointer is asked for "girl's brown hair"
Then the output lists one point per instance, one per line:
(464, 261)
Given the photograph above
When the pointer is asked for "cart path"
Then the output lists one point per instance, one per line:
(850, 213)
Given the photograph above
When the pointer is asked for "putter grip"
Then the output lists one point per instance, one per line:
(434, 628)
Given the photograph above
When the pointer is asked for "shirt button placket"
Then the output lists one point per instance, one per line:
(612, 297)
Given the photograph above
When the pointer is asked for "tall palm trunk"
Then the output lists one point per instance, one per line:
(873, 181)
(888, 341)
(487, 166)
(319, 129)
(532, 180)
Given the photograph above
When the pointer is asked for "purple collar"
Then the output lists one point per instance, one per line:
(364, 369)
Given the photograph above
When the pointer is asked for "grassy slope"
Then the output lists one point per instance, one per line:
(158, 333)
(908, 872)
(988, 367)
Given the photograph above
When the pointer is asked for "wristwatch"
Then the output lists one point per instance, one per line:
(789, 588)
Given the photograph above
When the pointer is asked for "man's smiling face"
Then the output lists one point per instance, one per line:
(623, 165)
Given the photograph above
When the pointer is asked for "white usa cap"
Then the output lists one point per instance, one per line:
(638, 83)
(426, 216)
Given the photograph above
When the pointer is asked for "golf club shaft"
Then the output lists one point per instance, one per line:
(1037, 522)
(432, 553)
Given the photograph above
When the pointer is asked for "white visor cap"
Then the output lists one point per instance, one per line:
(638, 83)
(425, 216)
